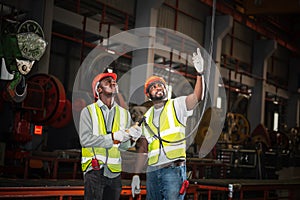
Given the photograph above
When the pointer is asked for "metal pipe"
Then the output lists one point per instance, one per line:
(243, 19)
(181, 11)
(170, 67)
(83, 39)
(176, 16)
(87, 44)
(102, 21)
(78, 6)
(126, 22)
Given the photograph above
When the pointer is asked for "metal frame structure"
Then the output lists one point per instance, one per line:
(244, 189)
(235, 189)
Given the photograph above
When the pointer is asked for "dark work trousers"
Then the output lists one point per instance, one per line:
(99, 187)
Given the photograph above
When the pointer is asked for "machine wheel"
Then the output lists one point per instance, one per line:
(65, 117)
(204, 126)
(31, 26)
(239, 128)
(54, 101)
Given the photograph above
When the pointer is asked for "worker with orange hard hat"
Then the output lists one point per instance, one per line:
(97, 79)
(151, 80)
(104, 129)
(163, 142)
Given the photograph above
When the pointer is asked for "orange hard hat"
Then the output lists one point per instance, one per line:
(98, 78)
(151, 80)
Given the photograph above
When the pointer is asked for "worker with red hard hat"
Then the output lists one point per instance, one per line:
(99, 77)
(104, 130)
(163, 142)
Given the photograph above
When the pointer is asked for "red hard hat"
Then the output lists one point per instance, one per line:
(153, 79)
(99, 77)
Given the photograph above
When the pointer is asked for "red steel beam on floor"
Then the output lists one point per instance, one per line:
(51, 191)
(57, 191)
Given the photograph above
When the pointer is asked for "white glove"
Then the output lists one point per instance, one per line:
(135, 185)
(135, 132)
(198, 61)
(121, 136)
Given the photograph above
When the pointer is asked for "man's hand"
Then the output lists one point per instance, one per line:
(135, 185)
(135, 132)
(121, 136)
(198, 61)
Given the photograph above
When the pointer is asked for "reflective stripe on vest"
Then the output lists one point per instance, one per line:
(119, 122)
(170, 129)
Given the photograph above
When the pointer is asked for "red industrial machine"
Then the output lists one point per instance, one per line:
(44, 105)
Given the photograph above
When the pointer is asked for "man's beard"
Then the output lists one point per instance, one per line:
(156, 98)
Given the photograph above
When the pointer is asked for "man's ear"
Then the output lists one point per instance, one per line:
(148, 95)
(99, 90)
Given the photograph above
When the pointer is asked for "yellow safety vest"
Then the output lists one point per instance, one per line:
(170, 129)
(113, 157)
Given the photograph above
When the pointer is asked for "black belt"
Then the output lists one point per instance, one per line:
(176, 163)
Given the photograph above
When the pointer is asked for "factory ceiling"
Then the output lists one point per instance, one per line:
(274, 19)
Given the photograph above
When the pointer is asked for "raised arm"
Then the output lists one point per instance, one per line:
(197, 95)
